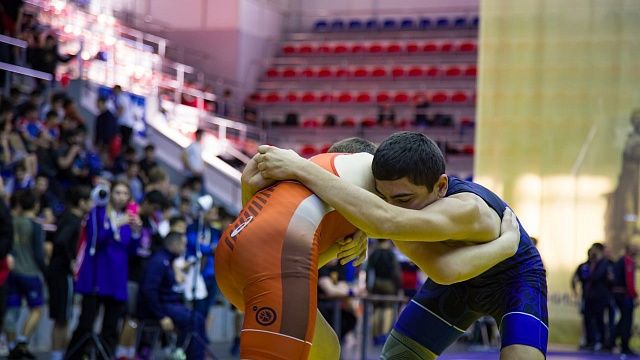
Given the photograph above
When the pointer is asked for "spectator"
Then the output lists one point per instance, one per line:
(14, 13)
(597, 295)
(71, 115)
(48, 203)
(384, 277)
(106, 129)
(178, 224)
(160, 301)
(33, 103)
(153, 228)
(158, 180)
(421, 106)
(581, 276)
(148, 161)
(626, 296)
(192, 156)
(111, 234)
(23, 179)
(132, 177)
(386, 115)
(25, 278)
(47, 57)
(56, 104)
(334, 291)
(203, 239)
(59, 272)
(30, 126)
(6, 244)
(121, 107)
(224, 105)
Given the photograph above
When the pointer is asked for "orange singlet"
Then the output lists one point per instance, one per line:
(267, 264)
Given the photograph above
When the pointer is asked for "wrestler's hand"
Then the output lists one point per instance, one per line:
(279, 164)
(353, 248)
(509, 232)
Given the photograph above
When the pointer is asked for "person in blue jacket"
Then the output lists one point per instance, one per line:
(110, 234)
(161, 297)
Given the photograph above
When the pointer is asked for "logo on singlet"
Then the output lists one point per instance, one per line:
(266, 316)
(241, 227)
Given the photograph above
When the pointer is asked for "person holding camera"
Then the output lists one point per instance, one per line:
(161, 296)
(112, 232)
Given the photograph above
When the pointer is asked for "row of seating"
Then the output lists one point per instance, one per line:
(369, 122)
(351, 72)
(377, 48)
(309, 150)
(363, 97)
(424, 23)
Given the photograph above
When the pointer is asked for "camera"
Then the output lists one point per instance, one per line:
(100, 195)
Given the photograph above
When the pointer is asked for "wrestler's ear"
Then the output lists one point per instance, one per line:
(442, 185)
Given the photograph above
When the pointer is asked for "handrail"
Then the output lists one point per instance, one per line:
(13, 41)
(25, 71)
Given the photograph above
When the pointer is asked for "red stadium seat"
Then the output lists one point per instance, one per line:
(305, 49)
(403, 123)
(357, 49)
(324, 73)
(467, 122)
(325, 148)
(342, 73)
(310, 123)
(288, 49)
(415, 71)
(412, 48)
(471, 71)
(292, 97)
(383, 97)
(439, 97)
(326, 97)
(394, 48)
(430, 47)
(273, 97)
(345, 97)
(459, 97)
(397, 71)
(308, 150)
(467, 46)
(360, 72)
(446, 47)
(340, 49)
(289, 73)
(369, 122)
(324, 49)
(432, 71)
(272, 73)
(308, 73)
(257, 97)
(375, 48)
(401, 97)
(379, 72)
(348, 122)
(453, 71)
(468, 149)
(363, 97)
(308, 97)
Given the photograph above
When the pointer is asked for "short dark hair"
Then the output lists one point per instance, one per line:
(26, 199)
(176, 219)
(409, 154)
(20, 166)
(199, 132)
(598, 246)
(77, 194)
(157, 174)
(102, 100)
(353, 145)
(150, 147)
(51, 114)
(172, 238)
(155, 197)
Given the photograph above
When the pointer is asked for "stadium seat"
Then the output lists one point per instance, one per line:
(467, 122)
(453, 71)
(342, 73)
(310, 123)
(257, 97)
(292, 97)
(340, 49)
(305, 49)
(424, 23)
(467, 46)
(403, 123)
(397, 71)
(459, 97)
(407, 24)
(379, 72)
(460, 22)
(439, 97)
(308, 73)
(468, 149)
(446, 46)
(325, 148)
(412, 48)
(272, 97)
(393, 48)
(401, 97)
(389, 24)
(432, 71)
(430, 47)
(289, 73)
(368, 122)
(371, 24)
(360, 72)
(288, 49)
(320, 25)
(308, 97)
(324, 73)
(355, 24)
(363, 97)
(415, 71)
(375, 48)
(348, 122)
(442, 22)
(475, 21)
(383, 97)
(357, 48)
(308, 150)
(471, 71)
(273, 73)
(337, 25)
(324, 49)
(326, 97)
(345, 97)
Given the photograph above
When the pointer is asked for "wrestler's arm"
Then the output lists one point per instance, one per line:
(448, 265)
(252, 181)
(460, 217)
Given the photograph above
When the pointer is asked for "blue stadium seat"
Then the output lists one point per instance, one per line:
(337, 25)
(389, 24)
(475, 21)
(407, 24)
(424, 23)
(320, 25)
(371, 24)
(355, 24)
(460, 22)
(442, 22)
